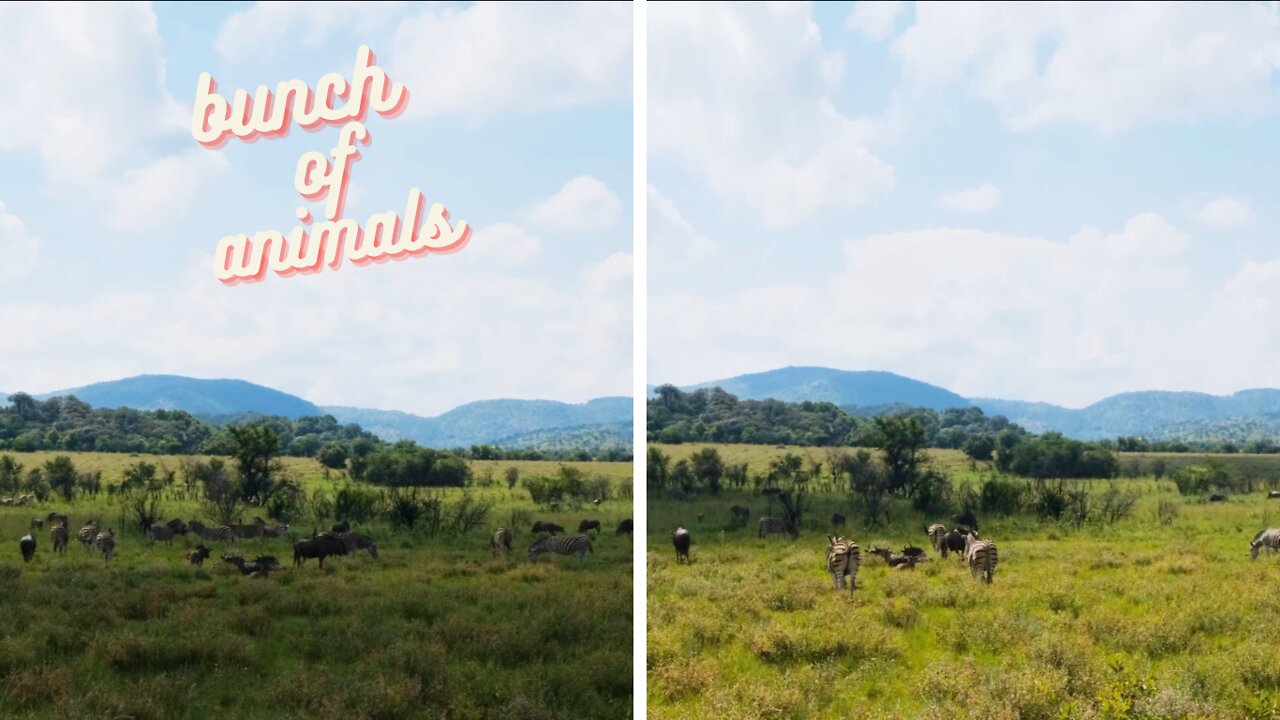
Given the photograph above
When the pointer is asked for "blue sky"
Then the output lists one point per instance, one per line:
(111, 211)
(1038, 201)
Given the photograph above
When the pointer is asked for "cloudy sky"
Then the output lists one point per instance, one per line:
(519, 122)
(1048, 202)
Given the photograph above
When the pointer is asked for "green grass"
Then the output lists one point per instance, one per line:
(433, 628)
(1134, 620)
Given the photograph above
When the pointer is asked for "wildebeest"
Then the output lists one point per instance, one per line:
(1273, 495)
(547, 527)
(58, 517)
(740, 513)
(1217, 498)
(913, 552)
(178, 527)
(340, 527)
(197, 555)
(624, 527)
(252, 569)
(890, 557)
(952, 542)
(500, 543)
(966, 519)
(321, 546)
(1268, 539)
(680, 538)
(837, 520)
(28, 547)
(773, 525)
(586, 525)
(58, 537)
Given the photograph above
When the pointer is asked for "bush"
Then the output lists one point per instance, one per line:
(356, 504)
(1002, 497)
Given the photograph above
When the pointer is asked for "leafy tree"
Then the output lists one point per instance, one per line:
(61, 475)
(708, 468)
(255, 449)
(902, 440)
(332, 455)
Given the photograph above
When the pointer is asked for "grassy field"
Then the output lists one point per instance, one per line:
(433, 628)
(1132, 620)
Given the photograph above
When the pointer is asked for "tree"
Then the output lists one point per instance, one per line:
(708, 468)
(255, 449)
(332, 455)
(902, 440)
(657, 468)
(513, 477)
(980, 447)
(60, 472)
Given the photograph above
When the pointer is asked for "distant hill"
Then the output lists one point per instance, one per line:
(1152, 414)
(486, 421)
(196, 396)
(590, 437)
(843, 387)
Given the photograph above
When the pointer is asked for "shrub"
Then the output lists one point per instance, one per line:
(1002, 497)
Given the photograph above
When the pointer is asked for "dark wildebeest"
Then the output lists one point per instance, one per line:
(680, 538)
(253, 569)
(197, 555)
(340, 526)
(892, 558)
(953, 541)
(913, 552)
(586, 525)
(837, 520)
(966, 518)
(28, 546)
(624, 527)
(320, 546)
(58, 517)
(547, 527)
(740, 513)
(178, 527)
(1217, 498)
(1273, 495)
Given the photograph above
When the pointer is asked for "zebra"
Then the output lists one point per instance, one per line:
(843, 559)
(982, 557)
(163, 533)
(106, 544)
(245, 532)
(88, 534)
(28, 547)
(588, 525)
(501, 542)
(579, 545)
(271, 529)
(936, 531)
(58, 538)
(680, 538)
(1269, 539)
(354, 542)
(772, 525)
(221, 532)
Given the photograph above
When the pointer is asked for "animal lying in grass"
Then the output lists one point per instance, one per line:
(260, 567)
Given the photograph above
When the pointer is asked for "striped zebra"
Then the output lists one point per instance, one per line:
(936, 531)
(773, 525)
(982, 557)
(88, 534)
(272, 530)
(106, 544)
(58, 538)
(1269, 539)
(501, 542)
(843, 559)
(221, 532)
(579, 545)
(162, 533)
(355, 542)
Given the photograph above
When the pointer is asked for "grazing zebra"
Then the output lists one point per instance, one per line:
(1269, 539)
(245, 532)
(106, 544)
(624, 527)
(221, 532)
(843, 559)
(272, 530)
(773, 525)
(58, 538)
(88, 534)
(680, 538)
(197, 555)
(163, 533)
(579, 545)
(37, 524)
(319, 546)
(28, 547)
(936, 531)
(837, 520)
(501, 542)
(982, 557)
(354, 542)
(587, 525)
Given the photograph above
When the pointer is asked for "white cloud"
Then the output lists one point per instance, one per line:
(584, 204)
(494, 57)
(875, 18)
(741, 94)
(672, 238)
(1105, 65)
(982, 198)
(503, 243)
(271, 26)
(1225, 213)
(19, 248)
(150, 197)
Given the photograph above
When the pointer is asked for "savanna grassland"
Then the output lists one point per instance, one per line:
(1136, 619)
(434, 627)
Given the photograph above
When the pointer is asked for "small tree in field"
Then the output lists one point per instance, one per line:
(512, 475)
(255, 449)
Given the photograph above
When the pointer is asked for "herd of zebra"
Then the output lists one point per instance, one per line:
(578, 543)
(338, 540)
